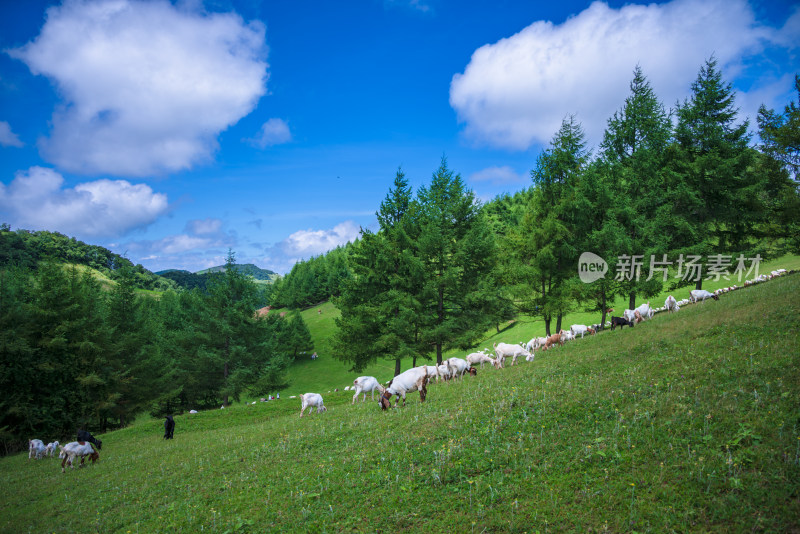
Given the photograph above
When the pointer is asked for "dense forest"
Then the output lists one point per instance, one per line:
(666, 190)
(74, 354)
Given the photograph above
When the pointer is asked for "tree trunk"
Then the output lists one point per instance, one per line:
(632, 301)
(396, 366)
(225, 375)
(440, 320)
(699, 284)
(558, 323)
(603, 305)
(547, 325)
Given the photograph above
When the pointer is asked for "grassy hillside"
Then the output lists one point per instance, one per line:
(326, 373)
(687, 423)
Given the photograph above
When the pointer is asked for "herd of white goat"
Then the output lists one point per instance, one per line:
(417, 378)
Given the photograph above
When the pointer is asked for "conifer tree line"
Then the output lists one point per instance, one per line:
(441, 269)
(75, 355)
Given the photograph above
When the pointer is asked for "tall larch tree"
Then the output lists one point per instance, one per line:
(634, 145)
(716, 160)
(456, 249)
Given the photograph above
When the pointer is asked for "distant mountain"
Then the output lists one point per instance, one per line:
(247, 269)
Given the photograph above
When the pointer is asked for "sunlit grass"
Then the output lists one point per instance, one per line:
(687, 423)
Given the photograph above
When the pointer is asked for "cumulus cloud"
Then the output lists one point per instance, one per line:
(306, 243)
(515, 93)
(146, 86)
(273, 132)
(37, 200)
(497, 176)
(7, 137)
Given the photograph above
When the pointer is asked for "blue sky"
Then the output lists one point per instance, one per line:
(170, 132)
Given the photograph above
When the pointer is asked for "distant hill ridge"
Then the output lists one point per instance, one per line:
(198, 280)
(247, 269)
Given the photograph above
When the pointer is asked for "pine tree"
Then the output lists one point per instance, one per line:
(634, 145)
(378, 302)
(542, 251)
(456, 249)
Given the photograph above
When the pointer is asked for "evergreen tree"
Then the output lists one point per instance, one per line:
(780, 167)
(378, 303)
(715, 160)
(456, 250)
(634, 145)
(238, 346)
(542, 251)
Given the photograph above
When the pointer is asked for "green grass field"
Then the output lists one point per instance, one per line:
(326, 373)
(686, 423)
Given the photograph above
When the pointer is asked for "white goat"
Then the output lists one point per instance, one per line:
(535, 343)
(702, 294)
(580, 329)
(567, 336)
(415, 379)
(36, 449)
(362, 384)
(479, 358)
(312, 400)
(457, 366)
(50, 449)
(646, 311)
(72, 450)
(630, 315)
(504, 350)
(671, 304)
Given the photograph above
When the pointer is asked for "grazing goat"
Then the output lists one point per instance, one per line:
(629, 315)
(552, 340)
(581, 329)
(535, 343)
(566, 336)
(504, 350)
(457, 367)
(36, 449)
(312, 400)
(646, 311)
(671, 304)
(479, 358)
(702, 294)
(362, 384)
(415, 379)
(72, 450)
(621, 322)
(50, 449)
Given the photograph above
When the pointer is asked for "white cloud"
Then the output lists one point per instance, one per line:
(497, 176)
(204, 226)
(515, 92)
(306, 243)
(7, 137)
(36, 200)
(273, 132)
(147, 86)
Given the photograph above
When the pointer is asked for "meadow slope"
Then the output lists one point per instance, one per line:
(327, 373)
(687, 423)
